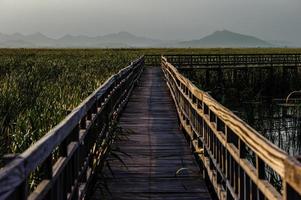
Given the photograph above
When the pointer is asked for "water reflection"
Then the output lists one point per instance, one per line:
(278, 122)
(258, 97)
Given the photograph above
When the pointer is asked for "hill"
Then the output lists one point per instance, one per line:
(115, 40)
(226, 38)
(127, 40)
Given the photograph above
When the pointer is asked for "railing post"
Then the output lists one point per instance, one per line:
(227, 162)
(83, 123)
(75, 163)
(289, 193)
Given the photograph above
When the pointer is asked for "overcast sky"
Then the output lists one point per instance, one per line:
(163, 19)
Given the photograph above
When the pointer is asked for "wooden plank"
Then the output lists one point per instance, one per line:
(157, 149)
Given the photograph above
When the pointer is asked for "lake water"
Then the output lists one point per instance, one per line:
(258, 97)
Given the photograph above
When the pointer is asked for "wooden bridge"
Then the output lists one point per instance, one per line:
(180, 144)
(215, 61)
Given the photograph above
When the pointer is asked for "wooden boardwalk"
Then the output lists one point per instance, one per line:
(66, 161)
(157, 149)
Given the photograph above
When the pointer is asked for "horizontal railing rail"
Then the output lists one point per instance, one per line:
(64, 160)
(195, 61)
(234, 156)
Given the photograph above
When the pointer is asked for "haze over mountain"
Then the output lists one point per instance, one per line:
(277, 20)
(227, 38)
(223, 38)
(121, 39)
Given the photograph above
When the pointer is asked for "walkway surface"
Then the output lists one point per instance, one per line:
(156, 149)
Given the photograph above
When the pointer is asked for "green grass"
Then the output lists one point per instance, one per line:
(39, 87)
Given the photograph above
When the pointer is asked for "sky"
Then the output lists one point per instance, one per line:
(160, 19)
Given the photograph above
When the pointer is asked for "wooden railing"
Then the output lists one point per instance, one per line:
(64, 160)
(152, 60)
(222, 143)
(195, 61)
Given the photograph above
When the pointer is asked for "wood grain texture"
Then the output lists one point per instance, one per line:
(157, 149)
(224, 137)
(269, 152)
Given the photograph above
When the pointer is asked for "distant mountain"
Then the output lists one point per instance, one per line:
(130, 39)
(127, 40)
(13, 37)
(39, 40)
(114, 40)
(18, 40)
(16, 44)
(226, 39)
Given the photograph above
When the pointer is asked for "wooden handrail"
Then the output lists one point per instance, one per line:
(74, 140)
(224, 140)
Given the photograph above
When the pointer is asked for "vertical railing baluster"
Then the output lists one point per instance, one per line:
(23, 190)
(227, 163)
(83, 123)
(241, 181)
(47, 174)
(260, 167)
(75, 159)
